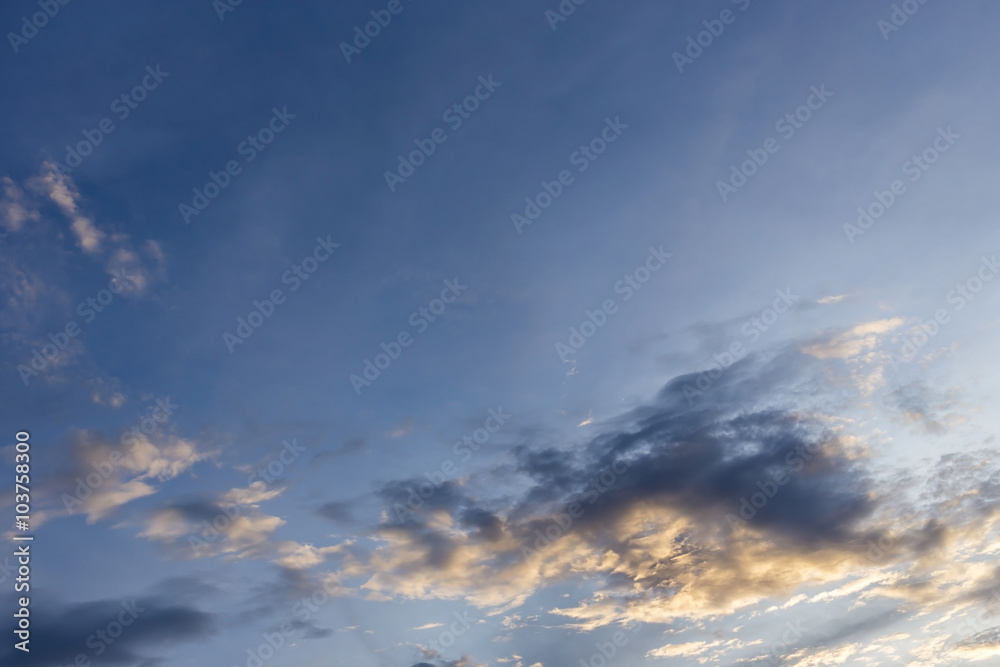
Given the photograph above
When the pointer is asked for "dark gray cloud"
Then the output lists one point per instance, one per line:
(335, 511)
(701, 460)
(350, 446)
(185, 588)
(98, 630)
(487, 524)
(195, 510)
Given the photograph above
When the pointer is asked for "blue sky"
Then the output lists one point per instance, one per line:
(693, 311)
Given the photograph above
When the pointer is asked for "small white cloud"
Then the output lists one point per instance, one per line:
(687, 650)
(14, 208)
(107, 393)
(404, 427)
(61, 190)
(107, 499)
(250, 496)
(428, 626)
(297, 556)
(827, 300)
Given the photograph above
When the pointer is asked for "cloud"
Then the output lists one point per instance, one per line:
(15, 209)
(62, 632)
(335, 511)
(404, 427)
(686, 650)
(918, 405)
(233, 527)
(106, 500)
(142, 265)
(163, 460)
(252, 495)
(518, 661)
(297, 556)
(29, 304)
(35, 307)
(822, 657)
(982, 646)
(855, 342)
(210, 529)
(464, 661)
(861, 348)
(61, 190)
(654, 498)
(351, 446)
(107, 392)
(99, 476)
(146, 460)
(658, 530)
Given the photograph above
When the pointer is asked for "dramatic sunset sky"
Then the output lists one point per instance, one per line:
(518, 334)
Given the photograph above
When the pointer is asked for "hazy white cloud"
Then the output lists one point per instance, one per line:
(164, 460)
(107, 392)
(113, 495)
(15, 209)
(144, 263)
(982, 646)
(28, 304)
(303, 556)
(685, 650)
(823, 657)
(855, 342)
(405, 427)
(122, 473)
(61, 190)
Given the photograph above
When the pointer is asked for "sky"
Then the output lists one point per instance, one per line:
(524, 334)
